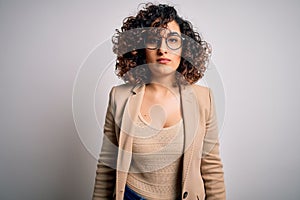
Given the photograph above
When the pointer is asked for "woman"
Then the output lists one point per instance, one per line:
(160, 134)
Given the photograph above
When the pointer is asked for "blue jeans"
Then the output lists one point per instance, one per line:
(131, 195)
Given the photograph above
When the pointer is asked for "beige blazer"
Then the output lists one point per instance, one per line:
(202, 175)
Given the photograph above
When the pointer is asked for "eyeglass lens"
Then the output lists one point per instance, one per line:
(173, 41)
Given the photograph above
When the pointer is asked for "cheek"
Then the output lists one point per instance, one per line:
(149, 56)
(177, 57)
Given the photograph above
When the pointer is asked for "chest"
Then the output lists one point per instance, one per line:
(163, 112)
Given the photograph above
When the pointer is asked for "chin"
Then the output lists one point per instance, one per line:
(162, 70)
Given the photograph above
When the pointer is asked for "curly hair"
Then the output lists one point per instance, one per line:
(128, 41)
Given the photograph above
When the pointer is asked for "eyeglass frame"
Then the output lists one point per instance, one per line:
(166, 41)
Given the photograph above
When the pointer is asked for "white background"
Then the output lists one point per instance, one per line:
(44, 43)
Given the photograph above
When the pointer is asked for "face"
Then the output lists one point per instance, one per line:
(164, 60)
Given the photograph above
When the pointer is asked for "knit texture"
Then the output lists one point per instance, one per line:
(156, 167)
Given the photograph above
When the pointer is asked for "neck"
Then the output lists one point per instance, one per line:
(165, 81)
(163, 86)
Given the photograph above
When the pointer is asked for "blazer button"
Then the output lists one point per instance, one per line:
(185, 194)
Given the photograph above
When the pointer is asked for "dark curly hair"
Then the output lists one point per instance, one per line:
(128, 43)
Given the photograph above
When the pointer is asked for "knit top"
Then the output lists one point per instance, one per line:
(156, 167)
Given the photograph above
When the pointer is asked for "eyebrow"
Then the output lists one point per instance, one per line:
(174, 33)
(171, 33)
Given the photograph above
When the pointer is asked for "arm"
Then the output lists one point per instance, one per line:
(106, 174)
(211, 165)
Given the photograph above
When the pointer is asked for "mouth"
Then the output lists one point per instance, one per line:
(163, 60)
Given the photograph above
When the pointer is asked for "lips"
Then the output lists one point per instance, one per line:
(163, 60)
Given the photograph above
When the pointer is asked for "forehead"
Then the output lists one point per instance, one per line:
(173, 26)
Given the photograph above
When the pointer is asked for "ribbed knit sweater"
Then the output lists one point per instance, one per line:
(156, 167)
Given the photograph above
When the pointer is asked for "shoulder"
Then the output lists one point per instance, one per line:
(204, 94)
(201, 89)
(120, 93)
(124, 86)
(122, 89)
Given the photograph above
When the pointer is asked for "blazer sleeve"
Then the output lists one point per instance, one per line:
(211, 165)
(106, 171)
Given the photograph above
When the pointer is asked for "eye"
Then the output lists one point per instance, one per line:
(173, 39)
(153, 40)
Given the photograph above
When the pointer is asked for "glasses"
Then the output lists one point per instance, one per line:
(173, 41)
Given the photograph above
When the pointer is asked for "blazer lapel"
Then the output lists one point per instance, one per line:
(132, 109)
(191, 117)
(127, 130)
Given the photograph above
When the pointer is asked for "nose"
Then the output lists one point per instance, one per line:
(162, 48)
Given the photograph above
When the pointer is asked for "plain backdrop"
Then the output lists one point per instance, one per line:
(45, 44)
